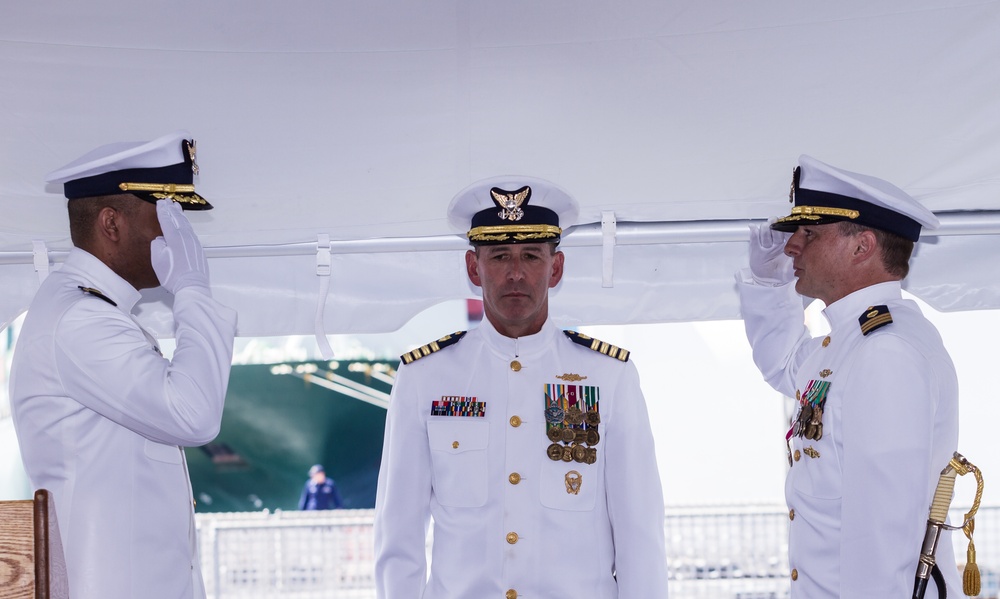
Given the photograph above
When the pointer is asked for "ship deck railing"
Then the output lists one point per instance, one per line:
(713, 552)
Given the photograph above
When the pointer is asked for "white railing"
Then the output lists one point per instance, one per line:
(717, 552)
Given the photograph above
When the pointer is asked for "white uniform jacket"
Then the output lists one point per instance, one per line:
(466, 445)
(860, 495)
(99, 416)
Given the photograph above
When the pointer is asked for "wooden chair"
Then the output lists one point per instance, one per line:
(32, 565)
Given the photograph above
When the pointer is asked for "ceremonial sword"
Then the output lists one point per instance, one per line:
(936, 523)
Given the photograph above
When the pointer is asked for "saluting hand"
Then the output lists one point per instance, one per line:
(768, 262)
(178, 258)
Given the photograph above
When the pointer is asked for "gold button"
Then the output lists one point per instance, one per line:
(826, 341)
(798, 454)
(511, 594)
(795, 574)
(515, 421)
(512, 537)
(791, 514)
(454, 445)
(515, 366)
(514, 478)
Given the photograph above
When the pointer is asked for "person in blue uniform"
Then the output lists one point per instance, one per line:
(876, 417)
(101, 416)
(529, 447)
(320, 492)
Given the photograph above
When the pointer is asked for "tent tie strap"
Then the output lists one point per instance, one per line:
(41, 259)
(323, 270)
(609, 226)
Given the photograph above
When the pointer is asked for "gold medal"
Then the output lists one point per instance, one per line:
(579, 453)
(568, 435)
(555, 452)
(593, 418)
(581, 436)
(591, 456)
(574, 415)
(567, 454)
(554, 434)
(593, 437)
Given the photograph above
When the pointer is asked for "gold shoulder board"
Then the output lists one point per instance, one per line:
(430, 348)
(96, 293)
(874, 317)
(599, 346)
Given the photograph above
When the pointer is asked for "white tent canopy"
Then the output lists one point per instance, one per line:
(673, 123)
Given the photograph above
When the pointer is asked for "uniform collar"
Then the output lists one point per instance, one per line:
(847, 309)
(100, 277)
(522, 346)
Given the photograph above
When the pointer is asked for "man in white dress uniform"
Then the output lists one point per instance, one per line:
(877, 399)
(529, 447)
(100, 414)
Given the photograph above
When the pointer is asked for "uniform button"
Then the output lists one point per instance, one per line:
(515, 421)
(515, 366)
(798, 455)
(454, 445)
(791, 514)
(514, 478)
(795, 574)
(512, 537)
(511, 594)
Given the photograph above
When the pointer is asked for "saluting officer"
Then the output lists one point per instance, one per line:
(877, 398)
(529, 446)
(100, 414)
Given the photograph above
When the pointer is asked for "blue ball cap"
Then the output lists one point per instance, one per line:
(153, 170)
(823, 194)
(512, 209)
(316, 469)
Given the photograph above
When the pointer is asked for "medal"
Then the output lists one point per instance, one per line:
(809, 421)
(572, 417)
(555, 452)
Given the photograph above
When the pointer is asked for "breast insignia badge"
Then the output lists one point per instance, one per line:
(574, 480)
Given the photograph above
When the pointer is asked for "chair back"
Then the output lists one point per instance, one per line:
(32, 564)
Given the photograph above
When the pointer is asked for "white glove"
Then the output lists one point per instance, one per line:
(178, 258)
(768, 263)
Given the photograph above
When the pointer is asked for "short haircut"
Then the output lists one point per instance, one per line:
(83, 213)
(894, 250)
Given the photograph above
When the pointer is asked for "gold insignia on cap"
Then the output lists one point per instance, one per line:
(161, 187)
(192, 150)
(794, 185)
(510, 202)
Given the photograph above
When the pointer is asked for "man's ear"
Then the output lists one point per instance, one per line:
(865, 247)
(472, 267)
(108, 224)
(557, 268)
